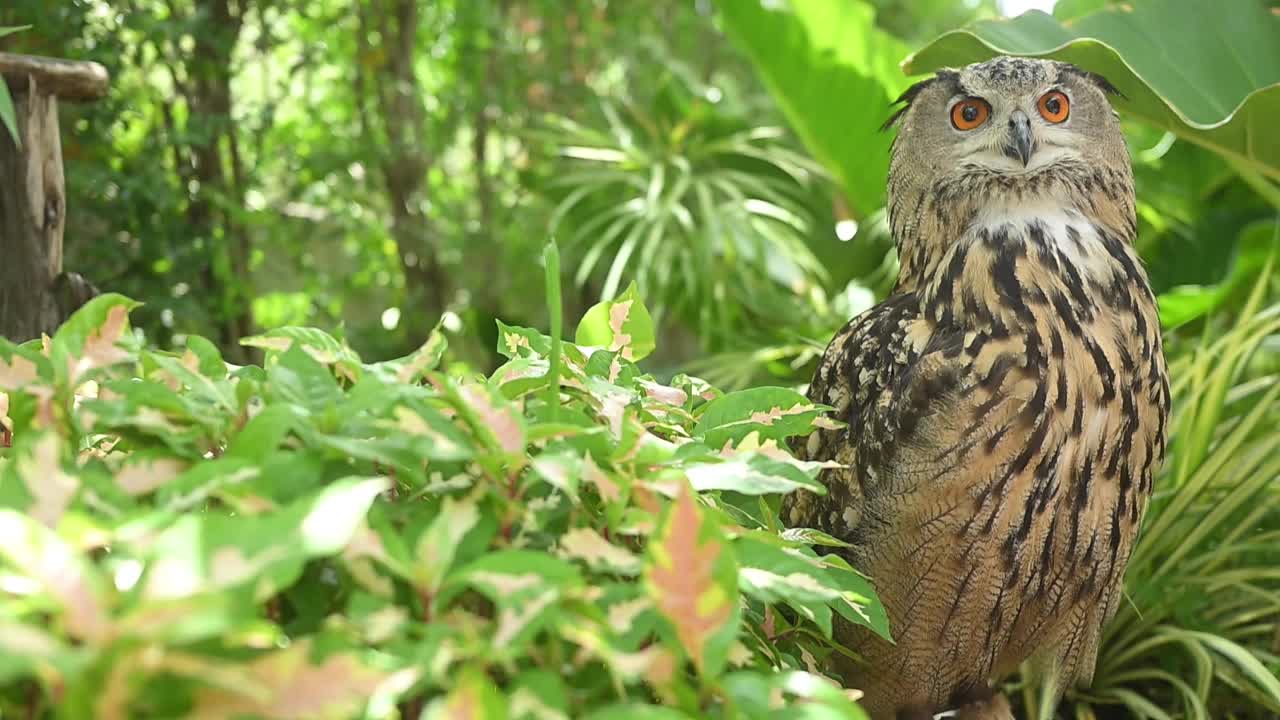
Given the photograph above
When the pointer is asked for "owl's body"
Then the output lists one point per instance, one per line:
(1006, 405)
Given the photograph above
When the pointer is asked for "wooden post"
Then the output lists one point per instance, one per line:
(35, 294)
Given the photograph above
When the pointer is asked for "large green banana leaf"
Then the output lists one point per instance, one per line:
(834, 73)
(1208, 71)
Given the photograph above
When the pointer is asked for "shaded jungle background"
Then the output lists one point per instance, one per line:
(369, 166)
(374, 167)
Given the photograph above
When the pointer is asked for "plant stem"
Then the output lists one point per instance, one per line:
(551, 261)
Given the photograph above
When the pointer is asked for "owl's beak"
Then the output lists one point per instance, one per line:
(1019, 144)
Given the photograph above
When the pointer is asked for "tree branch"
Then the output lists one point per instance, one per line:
(71, 80)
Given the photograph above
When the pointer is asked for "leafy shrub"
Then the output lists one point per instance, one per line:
(709, 211)
(324, 537)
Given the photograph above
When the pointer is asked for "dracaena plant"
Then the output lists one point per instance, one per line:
(323, 537)
(687, 195)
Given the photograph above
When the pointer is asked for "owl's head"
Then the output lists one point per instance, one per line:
(1005, 131)
(1008, 116)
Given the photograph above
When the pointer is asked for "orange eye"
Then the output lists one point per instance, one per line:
(1054, 106)
(970, 113)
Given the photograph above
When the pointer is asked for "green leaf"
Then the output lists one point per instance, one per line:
(1208, 73)
(774, 413)
(300, 379)
(263, 434)
(525, 585)
(755, 474)
(589, 546)
(296, 685)
(620, 325)
(809, 536)
(320, 345)
(637, 711)
(514, 341)
(473, 697)
(774, 575)
(7, 114)
(561, 469)
(28, 651)
(36, 481)
(805, 696)
(539, 695)
(491, 417)
(210, 553)
(1258, 243)
(410, 369)
(834, 74)
(436, 547)
(1242, 658)
(508, 576)
(861, 604)
(89, 339)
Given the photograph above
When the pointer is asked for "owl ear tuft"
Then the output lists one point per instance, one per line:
(1098, 81)
(908, 95)
(1103, 84)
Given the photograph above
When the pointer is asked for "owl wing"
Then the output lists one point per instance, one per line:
(881, 373)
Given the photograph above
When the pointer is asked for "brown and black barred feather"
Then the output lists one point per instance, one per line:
(1005, 413)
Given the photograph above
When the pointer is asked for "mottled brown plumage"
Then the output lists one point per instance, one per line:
(1006, 405)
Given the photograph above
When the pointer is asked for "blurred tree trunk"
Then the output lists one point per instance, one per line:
(485, 109)
(32, 214)
(35, 294)
(214, 164)
(205, 155)
(405, 159)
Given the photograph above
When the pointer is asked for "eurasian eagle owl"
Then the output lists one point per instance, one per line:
(1006, 406)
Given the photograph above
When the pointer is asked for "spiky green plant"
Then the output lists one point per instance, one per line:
(705, 208)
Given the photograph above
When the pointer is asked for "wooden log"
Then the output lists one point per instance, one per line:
(35, 295)
(71, 80)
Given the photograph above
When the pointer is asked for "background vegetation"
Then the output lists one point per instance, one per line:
(389, 171)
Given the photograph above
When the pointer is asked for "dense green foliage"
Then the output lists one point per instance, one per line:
(347, 522)
(322, 536)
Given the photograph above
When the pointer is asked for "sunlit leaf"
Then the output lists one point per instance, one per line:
(321, 346)
(692, 578)
(214, 553)
(771, 412)
(755, 475)
(90, 339)
(621, 325)
(813, 53)
(587, 545)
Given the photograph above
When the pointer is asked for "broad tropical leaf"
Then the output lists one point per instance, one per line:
(1208, 72)
(835, 73)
